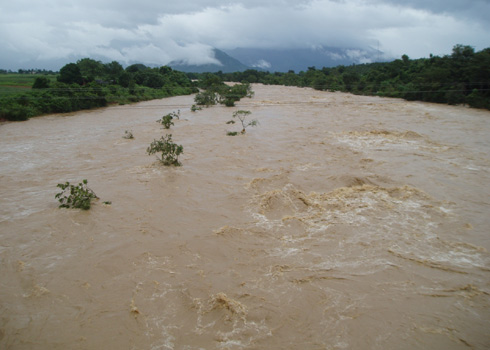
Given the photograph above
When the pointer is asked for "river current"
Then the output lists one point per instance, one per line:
(338, 222)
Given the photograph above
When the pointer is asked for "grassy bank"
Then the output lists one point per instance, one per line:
(20, 101)
(14, 84)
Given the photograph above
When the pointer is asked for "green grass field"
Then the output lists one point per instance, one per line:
(11, 84)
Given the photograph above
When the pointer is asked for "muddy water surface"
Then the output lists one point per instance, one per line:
(340, 222)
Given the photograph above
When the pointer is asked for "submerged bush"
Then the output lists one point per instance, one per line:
(128, 135)
(166, 121)
(217, 92)
(175, 115)
(206, 98)
(170, 150)
(73, 196)
(195, 108)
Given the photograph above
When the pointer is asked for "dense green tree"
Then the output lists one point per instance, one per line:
(320, 82)
(154, 80)
(350, 80)
(462, 52)
(70, 74)
(41, 83)
(113, 70)
(138, 67)
(210, 80)
(124, 79)
(89, 68)
(165, 70)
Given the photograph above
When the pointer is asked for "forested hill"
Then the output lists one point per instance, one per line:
(460, 78)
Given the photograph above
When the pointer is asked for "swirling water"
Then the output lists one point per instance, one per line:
(339, 222)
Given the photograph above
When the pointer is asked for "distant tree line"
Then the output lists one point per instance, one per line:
(27, 71)
(460, 78)
(90, 84)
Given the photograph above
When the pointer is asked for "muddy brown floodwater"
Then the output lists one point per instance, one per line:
(339, 222)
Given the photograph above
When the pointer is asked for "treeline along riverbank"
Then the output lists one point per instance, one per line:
(89, 84)
(460, 78)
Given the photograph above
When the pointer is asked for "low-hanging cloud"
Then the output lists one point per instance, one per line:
(157, 33)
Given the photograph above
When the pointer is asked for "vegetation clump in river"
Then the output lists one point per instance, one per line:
(215, 91)
(169, 150)
(463, 77)
(128, 134)
(166, 120)
(72, 196)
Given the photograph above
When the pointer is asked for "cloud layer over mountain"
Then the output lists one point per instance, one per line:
(54, 32)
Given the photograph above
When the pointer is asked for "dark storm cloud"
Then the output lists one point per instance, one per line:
(156, 32)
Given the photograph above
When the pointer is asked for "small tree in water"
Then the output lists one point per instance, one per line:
(166, 121)
(241, 115)
(170, 150)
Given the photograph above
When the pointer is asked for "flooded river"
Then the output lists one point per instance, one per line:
(339, 222)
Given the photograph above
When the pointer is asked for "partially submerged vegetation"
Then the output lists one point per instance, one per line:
(80, 196)
(215, 91)
(166, 120)
(241, 115)
(451, 79)
(75, 196)
(460, 78)
(128, 134)
(169, 150)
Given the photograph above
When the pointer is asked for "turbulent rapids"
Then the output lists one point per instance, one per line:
(339, 222)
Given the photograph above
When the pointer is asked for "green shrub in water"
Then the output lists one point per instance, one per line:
(72, 196)
(170, 150)
(166, 121)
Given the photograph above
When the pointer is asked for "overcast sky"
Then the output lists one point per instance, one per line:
(51, 33)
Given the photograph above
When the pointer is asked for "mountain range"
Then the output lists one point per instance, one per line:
(281, 60)
(228, 65)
